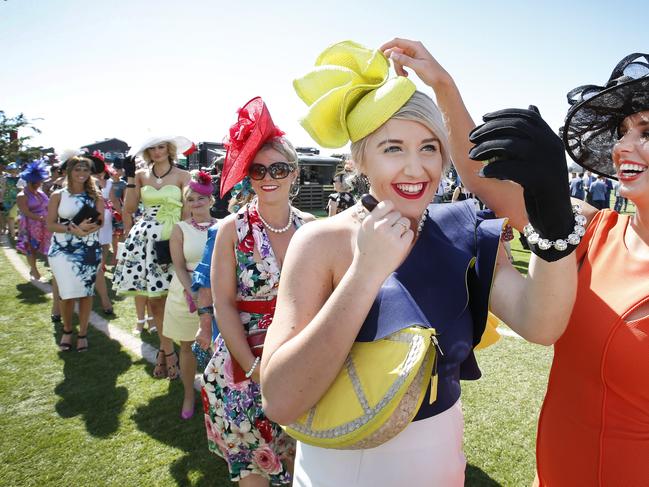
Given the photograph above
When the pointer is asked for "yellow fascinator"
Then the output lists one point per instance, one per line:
(349, 94)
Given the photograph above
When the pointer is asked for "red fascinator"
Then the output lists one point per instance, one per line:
(201, 183)
(98, 162)
(253, 128)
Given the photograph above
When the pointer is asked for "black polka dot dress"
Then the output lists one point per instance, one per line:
(138, 270)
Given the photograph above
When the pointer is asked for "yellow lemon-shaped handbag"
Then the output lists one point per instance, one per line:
(375, 395)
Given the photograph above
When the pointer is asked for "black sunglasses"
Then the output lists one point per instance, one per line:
(277, 170)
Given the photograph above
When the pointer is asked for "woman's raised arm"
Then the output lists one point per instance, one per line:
(503, 197)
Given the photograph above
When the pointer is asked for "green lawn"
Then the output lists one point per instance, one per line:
(97, 418)
(100, 419)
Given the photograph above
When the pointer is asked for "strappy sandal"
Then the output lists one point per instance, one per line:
(65, 347)
(173, 371)
(85, 347)
(139, 327)
(160, 369)
(151, 327)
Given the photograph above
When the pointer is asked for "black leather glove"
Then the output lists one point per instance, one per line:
(128, 164)
(522, 148)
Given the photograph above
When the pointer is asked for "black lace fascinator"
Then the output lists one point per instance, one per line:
(596, 112)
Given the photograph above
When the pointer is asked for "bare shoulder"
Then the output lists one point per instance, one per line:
(182, 175)
(325, 236)
(227, 227)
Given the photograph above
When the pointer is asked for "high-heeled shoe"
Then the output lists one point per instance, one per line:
(55, 318)
(65, 346)
(173, 370)
(187, 414)
(160, 369)
(84, 347)
(139, 327)
(151, 326)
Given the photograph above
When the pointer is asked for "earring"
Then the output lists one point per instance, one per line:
(294, 190)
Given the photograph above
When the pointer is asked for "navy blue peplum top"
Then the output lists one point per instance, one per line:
(444, 283)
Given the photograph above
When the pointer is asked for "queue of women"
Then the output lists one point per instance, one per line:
(323, 299)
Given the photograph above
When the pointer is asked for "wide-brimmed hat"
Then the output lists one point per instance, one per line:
(592, 123)
(252, 129)
(349, 94)
(96, 158)
(183, 144)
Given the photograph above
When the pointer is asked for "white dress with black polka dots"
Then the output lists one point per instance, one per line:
(137, 269)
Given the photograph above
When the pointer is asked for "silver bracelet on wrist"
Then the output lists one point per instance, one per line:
(253, 367)
(559, 244)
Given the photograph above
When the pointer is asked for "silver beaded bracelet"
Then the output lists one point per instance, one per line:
(560, 244)
(253, 367)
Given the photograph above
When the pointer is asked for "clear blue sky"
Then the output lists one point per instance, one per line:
(126, 68)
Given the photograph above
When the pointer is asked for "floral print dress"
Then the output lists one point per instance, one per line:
(237, 429)
(33, 236)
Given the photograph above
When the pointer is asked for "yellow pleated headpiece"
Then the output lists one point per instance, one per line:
(349, 94)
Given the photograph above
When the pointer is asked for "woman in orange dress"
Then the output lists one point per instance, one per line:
(594, 424)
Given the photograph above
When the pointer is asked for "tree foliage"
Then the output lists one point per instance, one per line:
(15, 133)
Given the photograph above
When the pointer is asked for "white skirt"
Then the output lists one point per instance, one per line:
(427, 453)
(106, 230)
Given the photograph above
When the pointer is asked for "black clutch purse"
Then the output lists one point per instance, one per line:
(84, 213)
(163, 253)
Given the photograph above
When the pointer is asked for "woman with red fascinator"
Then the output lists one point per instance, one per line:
(248, 255)
(188, 239)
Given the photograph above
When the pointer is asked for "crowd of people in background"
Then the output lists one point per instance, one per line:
(202, 252)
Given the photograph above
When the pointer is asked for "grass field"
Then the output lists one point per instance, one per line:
(100, 419)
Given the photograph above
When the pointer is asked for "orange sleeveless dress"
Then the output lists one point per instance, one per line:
(594, 424)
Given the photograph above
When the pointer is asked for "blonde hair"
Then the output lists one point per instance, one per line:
(172, 152)
(89, 185)
(419, 108)
(284, 147)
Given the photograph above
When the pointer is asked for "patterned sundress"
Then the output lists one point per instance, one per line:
(33, 236)
(74, 261)
(138, 270)
(10, 192)
(237, 429)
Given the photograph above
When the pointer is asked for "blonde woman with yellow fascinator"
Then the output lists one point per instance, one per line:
(402, 278)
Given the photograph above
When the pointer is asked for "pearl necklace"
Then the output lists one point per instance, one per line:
(278, 230)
